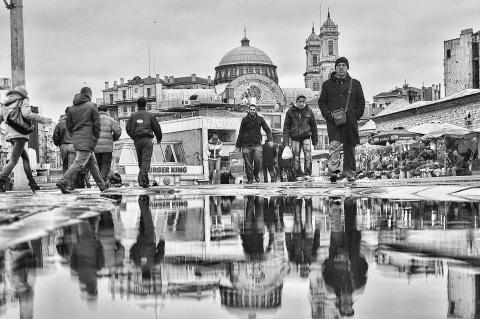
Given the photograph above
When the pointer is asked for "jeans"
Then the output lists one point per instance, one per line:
(67, 154)
(17, 152)
(213, 164)
(297, 147)
(253, 156)
(104, 161)
(144, 148)
(84, 159)
(335, 159)
(269, 169)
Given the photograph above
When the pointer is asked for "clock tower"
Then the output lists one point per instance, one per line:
(321, 53)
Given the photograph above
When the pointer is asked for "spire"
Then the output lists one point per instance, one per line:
(313, 26)
(328, 15)
(245, 41)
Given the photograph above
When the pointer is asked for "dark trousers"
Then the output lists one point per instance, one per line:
(104, 161)
(144, 148)
(270, 169)
(253, 156)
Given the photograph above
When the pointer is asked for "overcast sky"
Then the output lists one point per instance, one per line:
(69, 44)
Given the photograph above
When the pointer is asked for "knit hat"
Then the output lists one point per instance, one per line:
(342, 59)
(20, 90)
(300, 96)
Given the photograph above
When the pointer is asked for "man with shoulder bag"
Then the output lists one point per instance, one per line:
(342, 104)
(301, 128)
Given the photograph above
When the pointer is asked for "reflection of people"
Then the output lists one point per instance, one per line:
(22, 277)
(145, 253)
(113, 249)
(249, 141)
(345, 269)
(301, 243)
(334, 96)
(214, 158)
(254, 228)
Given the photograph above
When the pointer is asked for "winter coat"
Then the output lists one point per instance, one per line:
(61, 135)
(12, 101)
(300, 124)
(143, 124)
(269, 154)
(334, 96)
(249, 133)
(214, 148)
(83, 123)
(110, 131)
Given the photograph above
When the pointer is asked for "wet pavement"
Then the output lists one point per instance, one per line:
(299, 250)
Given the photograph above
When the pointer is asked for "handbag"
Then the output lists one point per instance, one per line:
(340, 115)
(287, 153)
(18, 122)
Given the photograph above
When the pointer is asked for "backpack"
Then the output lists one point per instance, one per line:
(17, 121)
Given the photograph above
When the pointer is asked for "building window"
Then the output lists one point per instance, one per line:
(111, 98)
(149, 91)
(330, 47)
(449, 54)
(125, 109)
(257, 69)
(315, 60)
(132, 108)
(124, 94)
(249, 70)
(235, 71)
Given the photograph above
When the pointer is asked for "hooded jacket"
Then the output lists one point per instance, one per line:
(61, 135)
(12, 101)
(143, 124)
(83, 123)
(334, 96)
(249, 133)
(110, 131)
(300, 124)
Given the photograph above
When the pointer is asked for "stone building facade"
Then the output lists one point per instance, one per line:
(321, 52)
(461, 62)
(451, 109)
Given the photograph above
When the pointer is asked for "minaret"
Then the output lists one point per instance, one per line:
(313, 55)
(329, 42)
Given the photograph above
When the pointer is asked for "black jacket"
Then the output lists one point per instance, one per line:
(143, 124)
(269, 154)
(249, 133)
(61, 135)
(334, 96)
(83, 123)
(300, 124)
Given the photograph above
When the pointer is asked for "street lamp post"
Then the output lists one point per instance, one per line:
(18, 69)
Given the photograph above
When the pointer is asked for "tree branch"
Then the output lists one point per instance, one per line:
(9, 6)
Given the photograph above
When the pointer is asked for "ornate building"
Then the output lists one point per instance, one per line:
(321, 53)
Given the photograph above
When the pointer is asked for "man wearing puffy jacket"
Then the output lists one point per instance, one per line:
(83, 123)
(141, 127)
(301, 128)
(110, 131)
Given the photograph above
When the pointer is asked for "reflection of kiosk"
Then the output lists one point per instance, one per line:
(168, 165)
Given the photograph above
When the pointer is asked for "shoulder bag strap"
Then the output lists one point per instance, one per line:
(348, 95)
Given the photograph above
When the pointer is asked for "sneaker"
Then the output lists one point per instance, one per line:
(63, 187)
(34, 187)
(106, 185)
(250, 181)
(333, 178)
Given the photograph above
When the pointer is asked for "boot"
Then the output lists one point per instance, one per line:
(33, 186)
(4, 181)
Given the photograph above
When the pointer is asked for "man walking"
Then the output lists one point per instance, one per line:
(110, 131)
(214, 159)
(63, 139)
(141, 127)
(268, 162)
(250, 142)
(341, 92)
(300, 126)
(83, 123)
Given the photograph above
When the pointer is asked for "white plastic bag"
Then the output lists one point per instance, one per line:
(287, 153)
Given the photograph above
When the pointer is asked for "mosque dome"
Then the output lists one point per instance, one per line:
(244, 60)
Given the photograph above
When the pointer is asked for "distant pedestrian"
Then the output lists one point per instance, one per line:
(226, 176)
(341, 92)
(18, 97)
(63, 139)
(83, 123)
(301, 128)
(110, 131)
(285, 171)
(250, 142)
(141, 127)
(268, 162)
(214, 158)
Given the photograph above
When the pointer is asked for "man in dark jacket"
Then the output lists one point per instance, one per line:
(300, 126)
(334, 96)
(83, 123)
(63, 139)
(250, 142)
(140, 127)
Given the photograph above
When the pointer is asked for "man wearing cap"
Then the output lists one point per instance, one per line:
(301, 128)
(334, 96)
(250, 142)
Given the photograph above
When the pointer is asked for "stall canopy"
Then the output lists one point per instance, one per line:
(397, 134)
(369, 126)
(437, 127)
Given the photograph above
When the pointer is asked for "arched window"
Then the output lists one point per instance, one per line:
(330, 47)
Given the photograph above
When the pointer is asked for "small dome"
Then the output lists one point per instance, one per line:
(329, 22)
(313, 36)
(245, 55)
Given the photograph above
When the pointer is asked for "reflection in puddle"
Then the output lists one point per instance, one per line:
(251, 256)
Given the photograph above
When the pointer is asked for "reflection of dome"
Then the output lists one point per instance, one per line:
(244, 60)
